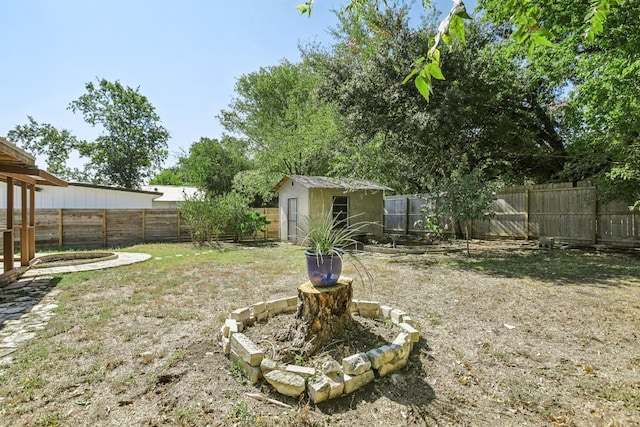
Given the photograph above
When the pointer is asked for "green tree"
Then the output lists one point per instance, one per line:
(169, 176)
(587, 50)
(596, 65)
(529, 21)
(488, 110)
(241, 221)
(131, 148)
(45, 139)
(133, 144)
(459, 199)
(257, 186)
(289, 130)
(211, 165)
(196, 212)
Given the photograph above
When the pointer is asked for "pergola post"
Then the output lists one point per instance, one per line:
(32, 221)
(7, 235)
(24, 226)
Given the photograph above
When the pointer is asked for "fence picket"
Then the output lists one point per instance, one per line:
(94, 228)
(567, 213)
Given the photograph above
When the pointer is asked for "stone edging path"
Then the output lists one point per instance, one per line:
(27, 304)
(25, 307)
(333, 379)
(124, 258)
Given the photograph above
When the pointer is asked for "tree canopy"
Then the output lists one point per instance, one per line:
(488, 111)
(211, 165)
(533, 92)
(573, 100)
(288, 129)
(131, 148)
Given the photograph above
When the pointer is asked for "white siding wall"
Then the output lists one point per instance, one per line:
(286, 192)
(76, 197)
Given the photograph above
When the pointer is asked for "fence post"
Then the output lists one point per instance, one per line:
(526, 214)
(266, 227)
(594, 216)
(60, 230)
(144, 224)
(104, 228)
(406, 215)
(178, 222)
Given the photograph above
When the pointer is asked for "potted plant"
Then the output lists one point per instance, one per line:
(326, 240)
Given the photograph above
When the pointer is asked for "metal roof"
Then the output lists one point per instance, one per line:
(171, 193)
(329, 182)
(114, 188)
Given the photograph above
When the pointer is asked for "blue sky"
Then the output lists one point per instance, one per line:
(185, 56)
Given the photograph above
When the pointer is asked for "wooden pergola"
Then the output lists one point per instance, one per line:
(18, 169)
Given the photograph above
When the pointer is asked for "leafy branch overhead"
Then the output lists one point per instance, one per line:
(424, 69)
(526, 17)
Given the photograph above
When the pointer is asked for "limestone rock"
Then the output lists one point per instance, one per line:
(286, 383)
(325, 387)
(277, 306)
(402, 346)
(241, 314)
(395, 365)
(385, 311)
(226, 346)
(379, 357)
(318, 389)
(303, 371)
(352, 383)
(268, 365)
(409, 320)
(258, 308)
(414, 335)
(397, 316)
(246, 349)
(356, 364)
(368, 306)
(252, 373)
(331, 367)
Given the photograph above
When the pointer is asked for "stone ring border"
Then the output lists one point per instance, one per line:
(333, 380)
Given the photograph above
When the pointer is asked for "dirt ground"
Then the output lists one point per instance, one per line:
(515, 336)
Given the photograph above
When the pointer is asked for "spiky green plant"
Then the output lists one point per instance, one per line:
(326, 235)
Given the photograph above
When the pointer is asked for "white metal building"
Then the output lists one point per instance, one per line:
(87, 196)
(171, 195)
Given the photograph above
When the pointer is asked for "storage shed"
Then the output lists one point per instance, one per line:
(300, 196)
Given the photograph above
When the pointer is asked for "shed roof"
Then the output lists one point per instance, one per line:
(18, 164)
(329, 182)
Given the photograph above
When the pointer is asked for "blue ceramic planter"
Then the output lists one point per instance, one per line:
(323, 270)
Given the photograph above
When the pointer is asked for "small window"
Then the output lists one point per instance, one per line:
(340, 210)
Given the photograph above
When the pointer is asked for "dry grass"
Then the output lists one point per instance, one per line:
(511, 337)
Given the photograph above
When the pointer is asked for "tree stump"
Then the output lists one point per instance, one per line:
(324, 311)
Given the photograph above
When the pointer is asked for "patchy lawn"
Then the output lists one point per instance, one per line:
(512, 336)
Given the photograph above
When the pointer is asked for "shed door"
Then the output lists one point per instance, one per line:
(292, 219)
(340, 211)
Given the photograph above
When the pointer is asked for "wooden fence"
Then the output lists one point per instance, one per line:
(568, 213)
(101, 228)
